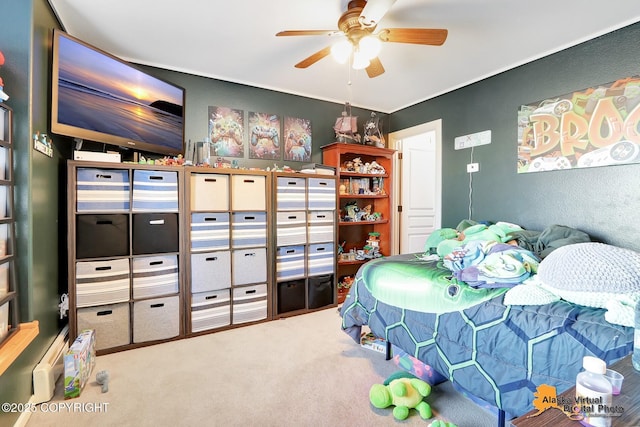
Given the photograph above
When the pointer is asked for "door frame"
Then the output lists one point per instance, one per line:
(395, 142)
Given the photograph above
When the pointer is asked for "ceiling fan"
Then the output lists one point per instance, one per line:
(359, 25)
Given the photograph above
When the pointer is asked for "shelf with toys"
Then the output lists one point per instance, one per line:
(364, 199)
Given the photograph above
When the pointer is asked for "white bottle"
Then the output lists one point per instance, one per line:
(593, 392)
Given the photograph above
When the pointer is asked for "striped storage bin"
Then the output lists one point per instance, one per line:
(210, 310)
(291, 228)
(155, 276)
(320, 259)
(290, 262)
(156, 319)
(155, 191)
(111, 323)
(248, 193)
(291, 194)
(249, 266)
(321, 226)
(248, 229)
(249, 303)
(209, 231)
(210, 271)
(102, 282)
(321, 194)
(102, 190)
(209, 192)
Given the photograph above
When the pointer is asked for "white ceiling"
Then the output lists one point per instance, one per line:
(235, 41)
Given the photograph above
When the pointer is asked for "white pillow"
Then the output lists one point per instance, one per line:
(591, 274)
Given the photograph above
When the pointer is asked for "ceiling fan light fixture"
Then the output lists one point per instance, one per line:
(360, 61)
(370, 46)
(341, 51)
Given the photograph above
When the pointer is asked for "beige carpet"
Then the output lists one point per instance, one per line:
(299, 371)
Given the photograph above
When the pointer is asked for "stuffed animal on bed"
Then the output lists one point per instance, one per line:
(404, 391)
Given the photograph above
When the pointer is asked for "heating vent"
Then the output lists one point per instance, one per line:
(47, 372)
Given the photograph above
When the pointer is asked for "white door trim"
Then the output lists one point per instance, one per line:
(395, 140)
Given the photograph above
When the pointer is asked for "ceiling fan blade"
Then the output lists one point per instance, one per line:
(430, 36)
(373, 12)
(306, 33)
(375, 68)
(314, 58)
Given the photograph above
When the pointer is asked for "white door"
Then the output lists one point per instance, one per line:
(419, 177)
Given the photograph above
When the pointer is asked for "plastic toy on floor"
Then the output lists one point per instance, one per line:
(403, 391)
(102, 378)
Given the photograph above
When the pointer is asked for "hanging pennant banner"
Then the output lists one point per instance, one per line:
(594, 127)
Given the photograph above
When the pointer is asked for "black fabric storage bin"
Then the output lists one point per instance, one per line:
(155, 233)
(102, 235)
(320, 291)
(291, 295)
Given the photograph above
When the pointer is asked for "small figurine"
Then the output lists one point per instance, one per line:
(102, 378)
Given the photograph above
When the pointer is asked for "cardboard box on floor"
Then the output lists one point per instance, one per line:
(79, 361)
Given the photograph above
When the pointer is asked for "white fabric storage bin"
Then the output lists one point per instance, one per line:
(102, 282)
(291, 194)
(155, 276)
(155, 191)
(321, 194)
(248, 192)
(209, 192)
(4, 240)
(4, 320)
(249, 266)
(102, 190)
(209, 231)
(291, 228)
(321, 226)
(248, 229)
(210, 310)
(111, 323)
(156, 319)
(249, 303)
(320, 259)
(290, 262)
(4, 279)
(210, 271)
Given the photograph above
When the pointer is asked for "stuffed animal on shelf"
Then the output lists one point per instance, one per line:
(403, 391)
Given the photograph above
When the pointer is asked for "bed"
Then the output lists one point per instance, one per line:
(495, 351)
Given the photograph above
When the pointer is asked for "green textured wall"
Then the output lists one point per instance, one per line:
(204, 92)
(25, 41)
(601, 201)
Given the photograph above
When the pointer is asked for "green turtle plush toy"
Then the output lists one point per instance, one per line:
(404, 391)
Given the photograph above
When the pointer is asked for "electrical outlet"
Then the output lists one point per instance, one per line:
(473, 167)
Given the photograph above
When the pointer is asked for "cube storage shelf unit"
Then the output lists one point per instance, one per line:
(305, 230)
(125, 247)
(362, 189)
(158, 253)
(8, 292)
(228, 258)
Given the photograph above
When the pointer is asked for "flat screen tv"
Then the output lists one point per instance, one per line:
(98, 97)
